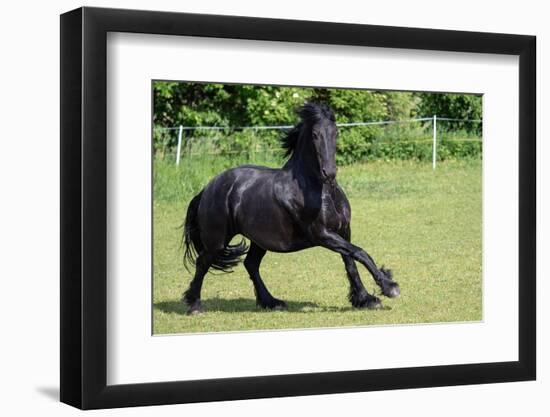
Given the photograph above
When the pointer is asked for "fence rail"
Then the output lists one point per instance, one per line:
(284, 127)
(434, 139)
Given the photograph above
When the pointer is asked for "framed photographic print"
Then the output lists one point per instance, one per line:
(256, 208)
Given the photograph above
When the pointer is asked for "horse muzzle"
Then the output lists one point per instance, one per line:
(328, 176)
(329, 181)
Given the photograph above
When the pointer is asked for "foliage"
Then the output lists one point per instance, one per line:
(457, 106)
(460, 106)
(237, 107)
(402, 105)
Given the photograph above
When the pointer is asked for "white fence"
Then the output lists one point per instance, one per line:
(434, 121)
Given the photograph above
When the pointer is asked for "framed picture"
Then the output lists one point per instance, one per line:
(201, 141)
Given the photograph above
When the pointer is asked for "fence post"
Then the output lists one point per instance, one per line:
(434, 146)
(180, 134)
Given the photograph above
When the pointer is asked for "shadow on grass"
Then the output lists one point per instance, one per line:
(237, 305)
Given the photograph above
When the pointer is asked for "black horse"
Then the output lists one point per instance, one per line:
(282, 210)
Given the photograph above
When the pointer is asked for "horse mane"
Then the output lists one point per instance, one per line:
(310, 113)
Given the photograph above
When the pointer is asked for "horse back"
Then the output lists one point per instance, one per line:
(242, 201)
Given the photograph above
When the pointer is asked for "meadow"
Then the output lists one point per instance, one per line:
(425, 225)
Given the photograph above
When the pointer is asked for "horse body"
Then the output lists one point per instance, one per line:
(269, 207)
(281, 210)
(247, 204)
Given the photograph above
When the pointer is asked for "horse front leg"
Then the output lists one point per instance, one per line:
(382, 277)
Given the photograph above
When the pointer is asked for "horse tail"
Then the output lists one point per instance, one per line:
(191, 238)
(230, 256)
(225, 260)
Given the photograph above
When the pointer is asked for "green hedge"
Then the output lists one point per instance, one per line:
(196, 104)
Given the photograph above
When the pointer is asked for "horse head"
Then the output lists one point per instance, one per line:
(314, 140)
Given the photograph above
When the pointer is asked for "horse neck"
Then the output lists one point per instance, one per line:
(303, 165)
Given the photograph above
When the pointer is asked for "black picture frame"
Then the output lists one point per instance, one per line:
(84, 207)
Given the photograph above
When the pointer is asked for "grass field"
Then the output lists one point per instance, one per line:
(424, 225)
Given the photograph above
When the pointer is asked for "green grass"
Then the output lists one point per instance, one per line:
(425, 225)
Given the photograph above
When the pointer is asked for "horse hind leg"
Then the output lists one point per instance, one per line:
(216, 255)
(264, 299)
(192, 296)
(358, 295)
(212, 238)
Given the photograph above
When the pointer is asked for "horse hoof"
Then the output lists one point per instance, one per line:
(392, 291)
(194, 312)
(374, 304)
(281, 305)
(275, 305)
(194, 309)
